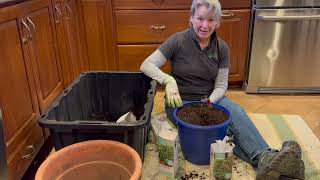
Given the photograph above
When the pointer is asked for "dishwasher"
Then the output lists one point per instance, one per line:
(285, 47)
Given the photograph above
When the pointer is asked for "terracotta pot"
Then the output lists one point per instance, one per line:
(92, 160)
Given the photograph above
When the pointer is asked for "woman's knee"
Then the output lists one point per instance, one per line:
(238, 109)
(231, 106)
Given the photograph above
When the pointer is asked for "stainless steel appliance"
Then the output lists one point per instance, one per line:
(285, 47)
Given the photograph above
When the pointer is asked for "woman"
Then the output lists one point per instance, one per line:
(200, 68)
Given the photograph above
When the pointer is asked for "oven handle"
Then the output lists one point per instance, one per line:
(272, 18)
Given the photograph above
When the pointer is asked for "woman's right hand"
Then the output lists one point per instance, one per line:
(173, 98)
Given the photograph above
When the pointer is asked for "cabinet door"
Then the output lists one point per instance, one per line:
(73, 38)
(159, 25)
(132, 56)
(66, 66)
(45, 59)
(234, 30)
(18, 97)
(99, 27)
(235, 4)
(153, 4)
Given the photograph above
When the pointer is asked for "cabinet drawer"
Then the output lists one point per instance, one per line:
(26, 152)
(152, 4)
(149, 26)
(176, 4)
(131, 56)
(227, 4)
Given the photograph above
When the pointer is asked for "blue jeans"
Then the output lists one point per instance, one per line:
(248, 141)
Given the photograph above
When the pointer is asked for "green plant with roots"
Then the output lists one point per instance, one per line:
(165, 153)
(222, 168)
(204, 109)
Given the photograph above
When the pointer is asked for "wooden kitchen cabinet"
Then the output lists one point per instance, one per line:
(176, 4)
(152, 22)
(73, 57)
(148, 26)
(66, 66)
(18, 96)
(38, 16)
(235, 4)
(147, 4)
(131, 56)
(234, 30)
(98, 23)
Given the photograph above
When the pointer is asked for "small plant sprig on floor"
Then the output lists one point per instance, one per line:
(231, 139)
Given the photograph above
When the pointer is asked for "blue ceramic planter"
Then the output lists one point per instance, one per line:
(195, 140)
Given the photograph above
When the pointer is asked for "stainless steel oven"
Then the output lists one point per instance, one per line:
(285, 47)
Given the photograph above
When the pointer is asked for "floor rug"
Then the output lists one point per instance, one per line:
(274, 128)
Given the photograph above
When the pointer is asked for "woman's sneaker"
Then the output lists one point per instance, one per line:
(286, 163)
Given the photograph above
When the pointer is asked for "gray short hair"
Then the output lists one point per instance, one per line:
(211, 4)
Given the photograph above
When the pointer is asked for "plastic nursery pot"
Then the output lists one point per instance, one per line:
(93, 160)
(195, 140)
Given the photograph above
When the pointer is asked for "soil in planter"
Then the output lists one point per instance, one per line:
(202, 115)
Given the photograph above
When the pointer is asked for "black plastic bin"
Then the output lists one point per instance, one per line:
(88, 109)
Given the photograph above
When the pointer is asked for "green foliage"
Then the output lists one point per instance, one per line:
(165, 153)
(222, 168)
(204, 110)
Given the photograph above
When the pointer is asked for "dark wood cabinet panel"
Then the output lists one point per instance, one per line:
(45, 59)
(149, 26)
(131, 56)
(99, 28)
(234, 30)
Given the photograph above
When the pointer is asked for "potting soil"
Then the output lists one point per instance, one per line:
(202, 115)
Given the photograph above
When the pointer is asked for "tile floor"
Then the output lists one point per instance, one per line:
(307, 106)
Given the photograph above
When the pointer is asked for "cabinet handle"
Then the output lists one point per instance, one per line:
(60, 14)
(158, 28)
(227, 15)
(70, 11)
(34, 27)
(29, 155)
(29, 35)
(279, 18)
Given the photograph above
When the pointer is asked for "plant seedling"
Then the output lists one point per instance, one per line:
(204, 109)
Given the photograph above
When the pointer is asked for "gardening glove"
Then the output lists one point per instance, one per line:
(173, 98)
